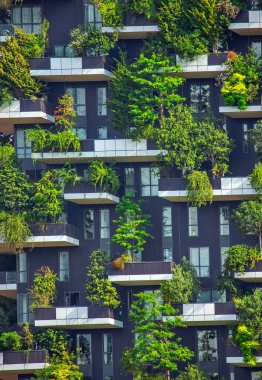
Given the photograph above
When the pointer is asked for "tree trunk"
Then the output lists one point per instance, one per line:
(260, 244)
(168, 377)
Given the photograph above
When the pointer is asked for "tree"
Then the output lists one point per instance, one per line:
(99, 290)
(184, 285)
(55, 341)
(14, 230)
(47, 200)
(247, 217)
(10, 341)
(43, 289)
(156, 349)
(256, 178)
(256, 138)
(199, 189)
(192, 372)
(112, 12)
(131, 231)
(89, 40)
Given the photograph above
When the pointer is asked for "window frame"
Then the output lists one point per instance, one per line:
(197, 106)
(153, 188)
(101, 108)
(106, 352)
(192, 225)
(66, 272)
(92, 226)
(199, 259)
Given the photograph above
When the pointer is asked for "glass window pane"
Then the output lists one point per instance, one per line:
(16, 15)
(154, 176)
(102, 133)
(26, 15)
(84, 349)
(36, 15)
(168, 254)
(104, 224)
(63, 266)
(194, 256)
(89, 224)
(204, 256)
(145, 176)
(167, 221)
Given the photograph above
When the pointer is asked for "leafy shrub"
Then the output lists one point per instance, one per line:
(192, 372)
(14, 230)
(235, 92)
(199, 189)
(44, 290)
(10, 341)
(112, 12)
(256, 178)
(256, 138)
(89, 40)
(103, 176)
(240, 258)
(55, 341)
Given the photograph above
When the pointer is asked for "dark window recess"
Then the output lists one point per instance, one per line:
(200, 97)
(71, 299)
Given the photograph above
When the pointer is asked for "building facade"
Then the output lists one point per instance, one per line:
(200, 234)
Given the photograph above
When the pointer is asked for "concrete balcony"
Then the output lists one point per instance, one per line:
(247, 23)
(77, 69)
(135, 27)
(119, 150)
(25, 112)
(208, 314)
(16, 362)
(145, 273)
(84, 194)
(251, 275)
(51, 235)
(235, 357)
(6, 30)
(224, 189)
(91, 317)
(253, 110)
(8, 284)
(203, 66)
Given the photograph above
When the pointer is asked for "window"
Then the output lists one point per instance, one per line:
(200, 97)
(224, 220)
(23, 145)
(129, 180)
(79, 96)
(101, 101)
(245, 138)
(223, 255)
(61, 51)
(84, 349)
(102, 133)
(28, 18)
(257, 46)
(104, 224)
(167, 221)
(71, 299)
(199, 258)
(168, 254)
(92, 16)
(64, 266)
(108, 348)
(22, 267)
(207, 346)
(23, 310)
(210, 295)
(192, 221)
(108, 378)
(89, 224)
(149, 181)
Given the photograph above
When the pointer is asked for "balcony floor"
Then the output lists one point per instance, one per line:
(80, 324)
(8, 291)
(77, 75)
(91, 198)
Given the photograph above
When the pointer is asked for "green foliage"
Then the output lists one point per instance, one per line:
(60, 369)
(47, 200)
(184, 285)
(199, 189)
(65, 175)
(142, 93)
(243, 80)
(14, 230)
(28, 339)
(99, 290)
(192, 372)
(131, 232)
(15, 76)
(89, 40)
(247, 217)
(250, 325)
(143, 7)
(15, 188)
(156, 349)
(112, 12)
(105, 177)
(65, 114)
(256, 138)
(8, 313)
(256, 178)
(190, 142)
(43, 289)
(55, 341)
(10, 341)
(239, 258)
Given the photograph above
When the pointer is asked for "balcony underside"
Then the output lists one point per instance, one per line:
(85, 157)
(210, 320)
(75, 75)
(7, 120)
(91, 198)
(239, 361)
(219, 195)
(133, 32)
(246, 29)
(78, 324)
(249, 113)
(200, 72)
(45, 241)
(20, 368)
(138, 280)
(8, 290)
(249, 276)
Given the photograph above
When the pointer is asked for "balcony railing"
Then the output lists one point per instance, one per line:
(234, 188)
(18, 361)
(251, 275)
(7, 278)
(86, 316)
(235, 357)
(83, 188)
(53, 229)
(253, 110)
(247, 23)
(84, 193)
